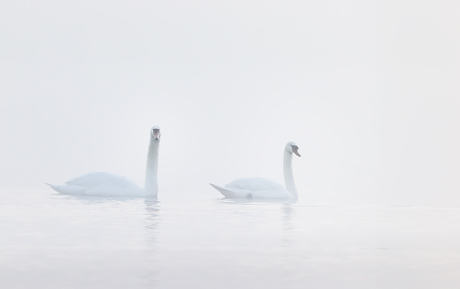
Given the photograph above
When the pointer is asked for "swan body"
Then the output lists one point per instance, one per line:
(260, 188)
(253, 188)
(100, 184)
(107, 184)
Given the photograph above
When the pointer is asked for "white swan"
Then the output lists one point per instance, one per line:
(259, 188)
(106, 184)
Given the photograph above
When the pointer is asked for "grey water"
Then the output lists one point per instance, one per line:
(195, 239)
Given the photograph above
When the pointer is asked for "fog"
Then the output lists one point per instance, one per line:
(368, 90)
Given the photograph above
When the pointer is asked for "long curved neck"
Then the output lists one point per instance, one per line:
(288, 174)
(151, 171)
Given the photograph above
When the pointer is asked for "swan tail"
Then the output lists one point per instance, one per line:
(66, 189)
(54, 187)
(225, 192)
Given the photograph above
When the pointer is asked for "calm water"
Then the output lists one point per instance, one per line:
(194, 239)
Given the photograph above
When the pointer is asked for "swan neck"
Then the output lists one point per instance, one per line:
(151, 172)
(288, 174)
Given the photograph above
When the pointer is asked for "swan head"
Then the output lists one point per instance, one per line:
(291, 147)
(155, 132)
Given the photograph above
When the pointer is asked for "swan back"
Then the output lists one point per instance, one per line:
(99, 184)
(101, 179)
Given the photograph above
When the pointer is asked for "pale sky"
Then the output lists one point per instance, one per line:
(369, 90)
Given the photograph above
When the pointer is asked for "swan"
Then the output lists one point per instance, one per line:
(260, 188)
(107, 184)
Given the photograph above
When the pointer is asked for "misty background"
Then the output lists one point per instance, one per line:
(368, 90)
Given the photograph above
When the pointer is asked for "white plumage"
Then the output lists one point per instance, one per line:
(107, 184)
(260, 188)
(100, 184)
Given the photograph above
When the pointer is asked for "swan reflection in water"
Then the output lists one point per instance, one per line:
(151, 210)
(152, 219)
(119, 217)
(286, 211)
(151, 224)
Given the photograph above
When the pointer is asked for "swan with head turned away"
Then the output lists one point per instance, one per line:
(260, 188)
(106, 184)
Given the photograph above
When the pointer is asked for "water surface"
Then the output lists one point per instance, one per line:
(195, 239)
